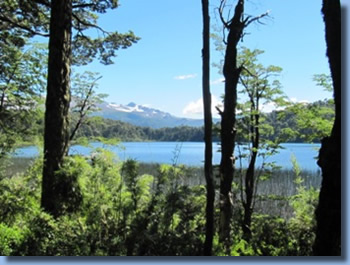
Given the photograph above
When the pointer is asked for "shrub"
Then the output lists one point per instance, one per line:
(10, 239)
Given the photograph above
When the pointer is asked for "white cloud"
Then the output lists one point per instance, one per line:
(295, 100)
(269, 107)
(217, 81)
(195, 108)
(183, 77)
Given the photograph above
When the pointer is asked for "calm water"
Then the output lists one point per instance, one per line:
(190, 153)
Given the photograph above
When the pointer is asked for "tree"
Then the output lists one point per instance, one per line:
(260, 87)
(25, 18)
(22, 80)
(235, 27)
(328, 212)
(314, 121)
(56, 19)
(56, 134)
(85, 99)
(208, 167)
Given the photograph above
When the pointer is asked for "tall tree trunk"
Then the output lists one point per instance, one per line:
(208, 167)
(57, 99)
(328, 213)
(250, 174)
(228, 121)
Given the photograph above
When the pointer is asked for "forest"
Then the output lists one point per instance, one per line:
(98, 205)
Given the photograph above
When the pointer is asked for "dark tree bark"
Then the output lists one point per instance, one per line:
(231, 71)
(228, 121)
(328, 213)
(250, 173)
(57, 100)
(208, 167)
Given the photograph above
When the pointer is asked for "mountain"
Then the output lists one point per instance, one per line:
(143, 116)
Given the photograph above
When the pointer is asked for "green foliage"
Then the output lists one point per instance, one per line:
(138, 186)
(24, 19)
(68, 194)
(242, 248)
(113, 209)
(259, 87)
(97, 126)
(270, 236)
(324, 81)
(10, 238)
(85, 99)
(313, 121)
(22, 76)
(303, 223)
(19, 195)
(30, 18)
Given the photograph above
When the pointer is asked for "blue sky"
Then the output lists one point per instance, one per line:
(163, 70)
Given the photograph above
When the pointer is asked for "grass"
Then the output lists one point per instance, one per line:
(16, 165)
(272, 193)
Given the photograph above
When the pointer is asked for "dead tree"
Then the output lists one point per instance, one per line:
(235, 28)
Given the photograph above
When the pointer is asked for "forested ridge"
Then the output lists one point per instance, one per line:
(287, 123)
(291, 123)
(279, 122)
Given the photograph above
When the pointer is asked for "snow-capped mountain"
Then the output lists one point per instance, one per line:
(143, 116)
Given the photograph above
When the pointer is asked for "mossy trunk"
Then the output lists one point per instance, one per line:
(57, 99)
(328, 213)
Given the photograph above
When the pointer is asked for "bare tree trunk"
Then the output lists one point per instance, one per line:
(57, 99)
(228, 121)
(208, 167)
(328, 213)
(250, 175)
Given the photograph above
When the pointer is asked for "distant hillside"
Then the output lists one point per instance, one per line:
(143, 116)
(108, 128)
(280, 124)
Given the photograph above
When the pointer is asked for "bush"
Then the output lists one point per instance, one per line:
(10, 239)
(109, 208)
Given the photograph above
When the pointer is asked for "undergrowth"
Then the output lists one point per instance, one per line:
(108, 208)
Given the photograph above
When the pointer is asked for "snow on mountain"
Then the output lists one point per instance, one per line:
(143, 116)
(131, 107)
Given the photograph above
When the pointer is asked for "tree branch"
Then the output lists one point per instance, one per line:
(83, 109)
(82, 5)
(84, 23)
(43, 2)
(247, 70)
(249, 20)
(221, 13)
(219, 110)
(26, 28)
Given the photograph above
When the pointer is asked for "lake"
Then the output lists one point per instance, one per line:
(190, 153)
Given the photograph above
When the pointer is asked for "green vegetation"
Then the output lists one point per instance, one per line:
(106, 128)
(62, 204)
(21, 82)
(115, 208)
